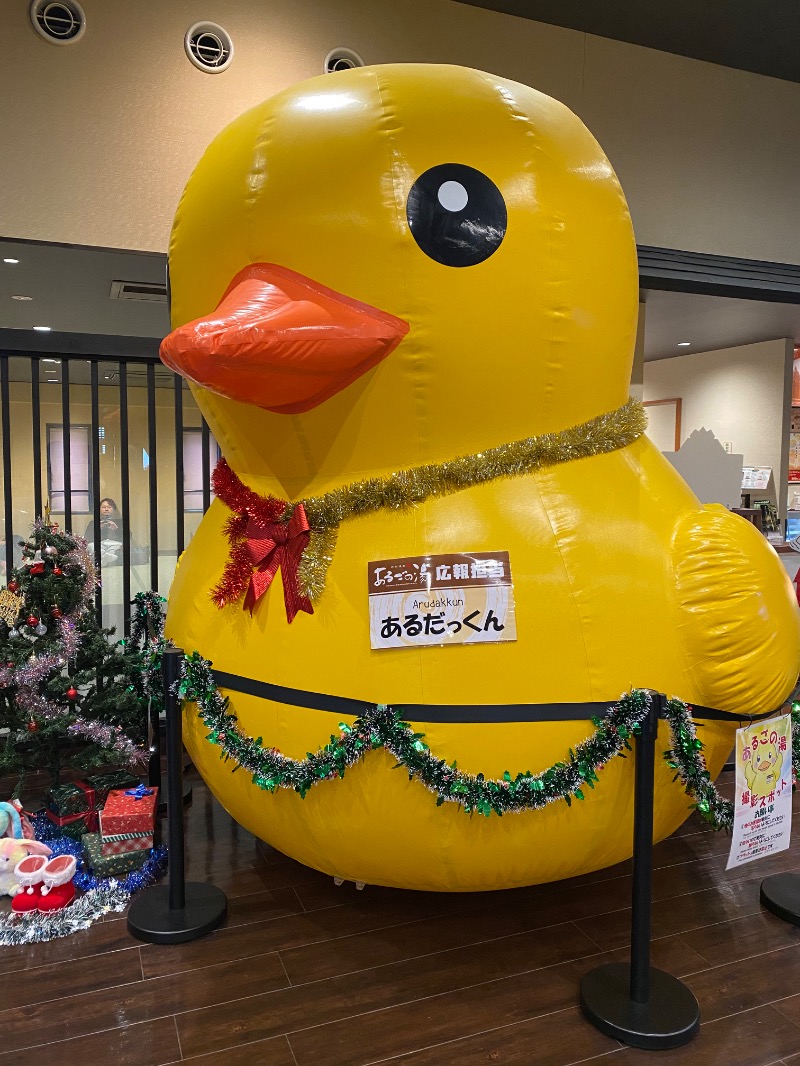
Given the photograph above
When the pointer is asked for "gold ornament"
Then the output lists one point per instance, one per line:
(10, 606)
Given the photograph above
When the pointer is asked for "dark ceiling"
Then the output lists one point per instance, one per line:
(68, 289)
(762, 36)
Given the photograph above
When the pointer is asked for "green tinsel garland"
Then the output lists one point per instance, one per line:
(686, 758)
(147, 618)
(382, 727)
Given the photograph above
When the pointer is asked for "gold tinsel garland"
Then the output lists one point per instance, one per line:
(600, 435)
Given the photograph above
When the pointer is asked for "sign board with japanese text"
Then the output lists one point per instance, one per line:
(762, 817)
(441, 599)
(756, 477)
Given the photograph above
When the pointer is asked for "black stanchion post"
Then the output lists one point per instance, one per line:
(642, 881)
(154, 764)
(154, 777)
(177, 881)
(177, 912)
(154, 733)
(633, 1002)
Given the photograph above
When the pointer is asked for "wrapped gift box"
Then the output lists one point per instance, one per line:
(122, 843)
(105, 783)
(110, 865)
(129, 811)
(75, 798)
(73, 825)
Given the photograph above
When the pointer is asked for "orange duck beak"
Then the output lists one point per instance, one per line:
(281, 341)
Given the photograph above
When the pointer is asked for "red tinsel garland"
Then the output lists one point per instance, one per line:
(245, 504)
(239, 498)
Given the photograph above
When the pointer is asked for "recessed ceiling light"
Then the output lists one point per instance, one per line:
(43, 329)
(51, 360)
(684, 344)
(21, 297)
(11, 260)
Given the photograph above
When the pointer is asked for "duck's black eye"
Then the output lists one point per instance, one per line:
(456, 214)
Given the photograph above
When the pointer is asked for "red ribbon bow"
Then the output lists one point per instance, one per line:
(277, 546)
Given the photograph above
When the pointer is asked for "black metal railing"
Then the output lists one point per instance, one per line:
(133, 406)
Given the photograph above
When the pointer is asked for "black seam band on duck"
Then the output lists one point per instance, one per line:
(455, 713)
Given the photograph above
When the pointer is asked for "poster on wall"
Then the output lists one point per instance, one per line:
(794, 452)
(756, 477)
(762, 815)
(441, 599)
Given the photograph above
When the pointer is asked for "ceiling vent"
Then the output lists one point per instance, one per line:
(209, 47)
(58, 21)
(151, 292)
(342, 59)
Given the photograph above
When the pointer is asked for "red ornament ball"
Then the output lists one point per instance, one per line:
(13, 586)
(33, 620)
(33, 727)
(37, 568)
(72, 693)
(57, 571)
(56, 612)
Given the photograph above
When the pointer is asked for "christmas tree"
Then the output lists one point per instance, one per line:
(68, 695)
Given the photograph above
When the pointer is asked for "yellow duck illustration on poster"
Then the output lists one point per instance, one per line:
(385, 283)
(762, 770)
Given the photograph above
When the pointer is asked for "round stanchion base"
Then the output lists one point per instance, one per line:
(151, 919)
(669, 1019)
(781, 895)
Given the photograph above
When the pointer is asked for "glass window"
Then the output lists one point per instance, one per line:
(193, 467)
(80, 464)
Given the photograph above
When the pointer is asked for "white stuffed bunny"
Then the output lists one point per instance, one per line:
(11, 852)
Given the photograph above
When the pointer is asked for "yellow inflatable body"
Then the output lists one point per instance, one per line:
(484, 242)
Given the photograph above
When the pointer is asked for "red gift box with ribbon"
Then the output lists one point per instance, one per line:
(127, 811)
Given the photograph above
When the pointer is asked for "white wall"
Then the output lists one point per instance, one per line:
(743, 395)
(103, 134)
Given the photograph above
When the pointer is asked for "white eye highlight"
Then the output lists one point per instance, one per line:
(452, 196)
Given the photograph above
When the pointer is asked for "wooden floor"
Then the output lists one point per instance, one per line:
(307, 974)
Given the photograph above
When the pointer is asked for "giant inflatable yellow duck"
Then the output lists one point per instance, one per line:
(393, 268)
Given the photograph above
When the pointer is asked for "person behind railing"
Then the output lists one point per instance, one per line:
(111, 534)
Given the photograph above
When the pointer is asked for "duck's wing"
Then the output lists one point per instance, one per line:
(736, 612)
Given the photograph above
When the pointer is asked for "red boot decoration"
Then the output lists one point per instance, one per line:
(58, 888)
